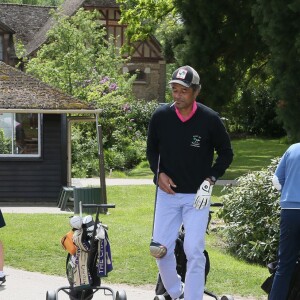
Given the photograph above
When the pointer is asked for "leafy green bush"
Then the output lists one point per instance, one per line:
(124, 127)
(114, 159)
(251, 214)
(85, 161)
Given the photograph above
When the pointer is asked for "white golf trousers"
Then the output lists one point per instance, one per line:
(171, 212)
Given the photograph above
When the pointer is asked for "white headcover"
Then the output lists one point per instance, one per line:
(76, 222)
(89, 222)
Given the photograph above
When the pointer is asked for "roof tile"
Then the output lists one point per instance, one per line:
(22, 91)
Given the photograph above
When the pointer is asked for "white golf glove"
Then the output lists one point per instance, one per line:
(202, 198)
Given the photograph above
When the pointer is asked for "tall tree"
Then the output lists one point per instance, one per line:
(219, 38)
(80, 60)
(222, 42)
(143, 17)
(280, 27)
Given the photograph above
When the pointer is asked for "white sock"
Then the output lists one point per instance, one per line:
(2, 274)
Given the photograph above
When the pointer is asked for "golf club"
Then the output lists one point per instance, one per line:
(157, 250)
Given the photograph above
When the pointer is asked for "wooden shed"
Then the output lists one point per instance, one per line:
(34, 137)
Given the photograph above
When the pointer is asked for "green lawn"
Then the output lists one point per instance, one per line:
(253, 155)
(32, 242)
(249, 155)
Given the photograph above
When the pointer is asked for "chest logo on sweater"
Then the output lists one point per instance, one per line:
(196, 141)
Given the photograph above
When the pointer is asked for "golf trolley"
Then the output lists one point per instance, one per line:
(93, 235)
(160, 291)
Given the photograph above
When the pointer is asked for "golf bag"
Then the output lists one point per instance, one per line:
(91, 260)
(294, 290)
(181, 262)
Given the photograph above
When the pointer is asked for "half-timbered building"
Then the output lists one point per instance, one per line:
(30, 25)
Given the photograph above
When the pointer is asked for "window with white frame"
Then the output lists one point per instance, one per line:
(20, 135)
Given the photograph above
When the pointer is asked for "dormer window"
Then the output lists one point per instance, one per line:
(6, 42)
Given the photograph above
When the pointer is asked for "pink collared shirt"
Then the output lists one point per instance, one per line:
(183, 118)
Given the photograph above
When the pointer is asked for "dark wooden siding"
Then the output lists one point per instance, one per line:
(37, 180)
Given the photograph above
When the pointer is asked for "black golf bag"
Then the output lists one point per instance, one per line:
(294, 290)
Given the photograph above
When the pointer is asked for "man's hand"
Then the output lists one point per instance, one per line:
(165, 183)
(202, 198)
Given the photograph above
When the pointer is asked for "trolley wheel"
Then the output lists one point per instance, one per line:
(227, 297)
(51, 295)
(121, 295)
(159, 297)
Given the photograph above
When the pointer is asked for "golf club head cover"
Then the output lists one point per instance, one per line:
(157, 250)
(202, 198)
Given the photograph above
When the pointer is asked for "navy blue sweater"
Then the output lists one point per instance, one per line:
(187, 148)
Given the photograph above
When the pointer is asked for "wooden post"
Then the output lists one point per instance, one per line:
(101, 165)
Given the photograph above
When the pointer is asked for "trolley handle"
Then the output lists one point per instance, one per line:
(216, 204)
(99, 205)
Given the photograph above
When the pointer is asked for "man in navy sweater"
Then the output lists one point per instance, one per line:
(182, 140)
(287, 180)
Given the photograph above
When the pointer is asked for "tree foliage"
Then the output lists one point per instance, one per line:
(79, 59)
(220, 39)
(4, 143)
(254, 113)
(142, 17)
(279, 26)
(230, 43)
(124, 129)
(222, 42)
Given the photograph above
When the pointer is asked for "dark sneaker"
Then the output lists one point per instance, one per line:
(2, 280)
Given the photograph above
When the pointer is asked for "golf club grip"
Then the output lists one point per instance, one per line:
(99, 205)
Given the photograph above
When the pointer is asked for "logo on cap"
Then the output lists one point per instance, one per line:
(181, 74)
